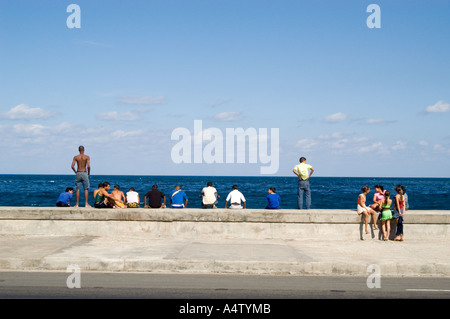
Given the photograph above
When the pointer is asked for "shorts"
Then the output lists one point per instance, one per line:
(360, 209)
(397, 213)
(133, 205)
(238, 206)
(61, 204)
(103, 205)
(177, 205)
(82, 178)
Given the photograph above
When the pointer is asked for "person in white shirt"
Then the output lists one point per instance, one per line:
(210, 196)
(235, 198)
(132, 198)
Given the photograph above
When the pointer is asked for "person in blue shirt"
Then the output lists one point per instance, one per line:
(64, 198)
(273, 199)
(178, 198)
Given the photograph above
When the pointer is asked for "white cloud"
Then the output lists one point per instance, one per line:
(29, 129)
(142, 100)
(63, 134)
(399, 145)
(23, 111)
(228, 116)
(361, 139)
(114, 116)
(439, 148)
(41, 130)
(345, 143)
(423, 143)
(335, 135)
(306, 144)
(439, 107)
(120, 134)
(378, 121)
(336, 117)
(339, 144)
(377, 147)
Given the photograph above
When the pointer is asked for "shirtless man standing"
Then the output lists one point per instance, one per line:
(82, 172)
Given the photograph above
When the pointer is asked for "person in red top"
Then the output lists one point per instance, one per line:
(399, 212)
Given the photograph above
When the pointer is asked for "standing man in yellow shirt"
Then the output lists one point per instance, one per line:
(303, 172)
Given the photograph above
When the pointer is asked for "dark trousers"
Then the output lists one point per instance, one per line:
(399, 225)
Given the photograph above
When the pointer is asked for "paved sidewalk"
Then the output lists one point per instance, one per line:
(268, 256)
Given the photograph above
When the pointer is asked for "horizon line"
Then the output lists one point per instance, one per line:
(168, 175)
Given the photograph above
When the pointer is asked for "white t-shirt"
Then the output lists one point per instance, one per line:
(209, 195)
(132, 197)
(235, 196)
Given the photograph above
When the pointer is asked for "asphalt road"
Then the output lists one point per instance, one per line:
(48, 285)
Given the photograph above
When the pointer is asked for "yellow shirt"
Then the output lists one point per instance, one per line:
(303, 170)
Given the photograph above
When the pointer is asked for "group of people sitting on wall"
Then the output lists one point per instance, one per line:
(157, 199)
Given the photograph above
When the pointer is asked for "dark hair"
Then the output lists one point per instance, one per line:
(209, 184)
(365, 189)
(105, 184)
(399, 190)
(386, 196)
(155, 186)
(100, 185)
(68, 189)
(302, 159)
(379, 186)
(272, 189)
(116, 186)
(81, 148)
(235, 187)
(131, 189)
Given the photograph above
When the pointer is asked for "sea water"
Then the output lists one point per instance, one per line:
(327, 192)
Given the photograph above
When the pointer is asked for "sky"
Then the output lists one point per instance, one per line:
(153, 87)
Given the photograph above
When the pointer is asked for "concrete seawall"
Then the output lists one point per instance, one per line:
(211, 223)
(262, 242)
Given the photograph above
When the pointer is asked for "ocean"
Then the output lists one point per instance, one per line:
(327, 192)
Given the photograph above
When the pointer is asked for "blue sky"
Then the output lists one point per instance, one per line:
(354, 101)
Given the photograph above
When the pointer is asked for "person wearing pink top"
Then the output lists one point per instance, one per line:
(378, 198)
